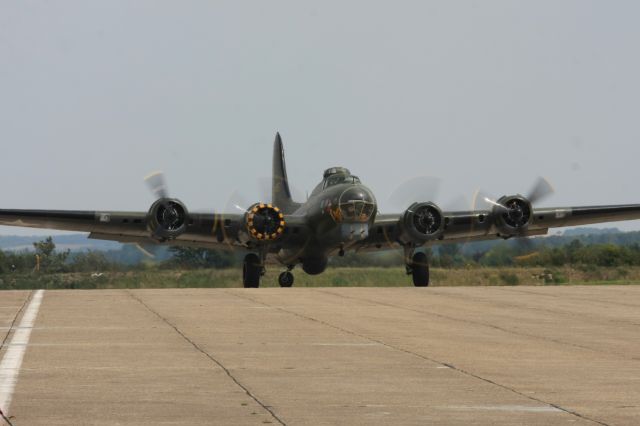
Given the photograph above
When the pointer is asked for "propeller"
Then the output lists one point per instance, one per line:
(236, 203)
(418, 189)
(167, 216)
(541, 190)
(458, 203)
(424, 189)
(144, 251)
(501, 207)
(157, 184)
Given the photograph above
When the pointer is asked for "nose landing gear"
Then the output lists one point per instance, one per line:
(253, 270)
(285, 279)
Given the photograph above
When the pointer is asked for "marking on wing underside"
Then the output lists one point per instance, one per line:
(215, 224)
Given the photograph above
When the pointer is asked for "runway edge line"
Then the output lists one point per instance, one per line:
(12, 360)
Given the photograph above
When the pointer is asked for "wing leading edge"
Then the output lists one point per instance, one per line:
(480, 225)
(207, 230)
(129, 227)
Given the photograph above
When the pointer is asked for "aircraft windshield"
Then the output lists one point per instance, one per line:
(356, 210)
(338, 179)
(356, 204)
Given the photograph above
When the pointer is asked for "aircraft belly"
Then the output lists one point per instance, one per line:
(345, 235)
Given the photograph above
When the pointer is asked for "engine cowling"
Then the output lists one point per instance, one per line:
(167, 219)
(513, 214)
(265, 222)
(423, 222)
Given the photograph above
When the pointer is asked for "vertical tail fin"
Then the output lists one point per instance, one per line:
(280, 193)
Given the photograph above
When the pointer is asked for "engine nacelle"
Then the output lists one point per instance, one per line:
(167, 219)
(264, 222)
(513, 215)
(423, 222)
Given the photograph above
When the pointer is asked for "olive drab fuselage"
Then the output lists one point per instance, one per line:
(338, 214)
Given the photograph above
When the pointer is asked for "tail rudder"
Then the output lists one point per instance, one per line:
(280, 192)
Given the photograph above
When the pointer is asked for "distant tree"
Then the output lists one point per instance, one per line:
(572, 249)
(500, 255)
(450, 255)
(607, 255)
(45, 248)
(50, 260)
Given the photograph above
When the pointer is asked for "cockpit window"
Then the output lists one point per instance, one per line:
(338, 179)
(335, 180)
(356, 210)
(356, 205)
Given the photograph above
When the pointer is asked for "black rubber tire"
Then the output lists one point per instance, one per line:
(251, 271)
(286, 279)
(420, 270)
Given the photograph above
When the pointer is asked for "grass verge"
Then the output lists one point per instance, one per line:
(333, 277)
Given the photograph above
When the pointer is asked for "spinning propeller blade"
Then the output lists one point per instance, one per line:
(157, 184)
(418, 189)
(541, 190)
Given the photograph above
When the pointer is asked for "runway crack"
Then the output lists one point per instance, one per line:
(213, 359)
(423, 357)
(15, 319)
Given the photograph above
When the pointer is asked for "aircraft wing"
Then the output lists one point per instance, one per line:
(390, 231)
(202, 229)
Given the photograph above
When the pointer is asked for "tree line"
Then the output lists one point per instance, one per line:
(46, 258)
(526, 254)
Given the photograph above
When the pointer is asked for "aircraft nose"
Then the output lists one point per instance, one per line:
(358, 193)
(357, 204)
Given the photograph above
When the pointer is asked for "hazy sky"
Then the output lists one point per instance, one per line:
(482, 94)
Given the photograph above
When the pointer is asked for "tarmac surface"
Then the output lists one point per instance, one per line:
(334, 356)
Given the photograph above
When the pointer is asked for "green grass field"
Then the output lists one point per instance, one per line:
(333, 277)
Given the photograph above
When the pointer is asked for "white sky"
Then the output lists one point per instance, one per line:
(482, 94)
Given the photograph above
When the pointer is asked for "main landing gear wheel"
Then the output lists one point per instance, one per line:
(251, 271)
(285, 279)
(420, 270)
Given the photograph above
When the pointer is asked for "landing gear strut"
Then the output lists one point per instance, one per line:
(418, 268)
(251, 271)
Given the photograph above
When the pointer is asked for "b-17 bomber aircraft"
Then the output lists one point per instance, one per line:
(340, 215)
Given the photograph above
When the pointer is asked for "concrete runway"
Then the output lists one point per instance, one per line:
(335, 356)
